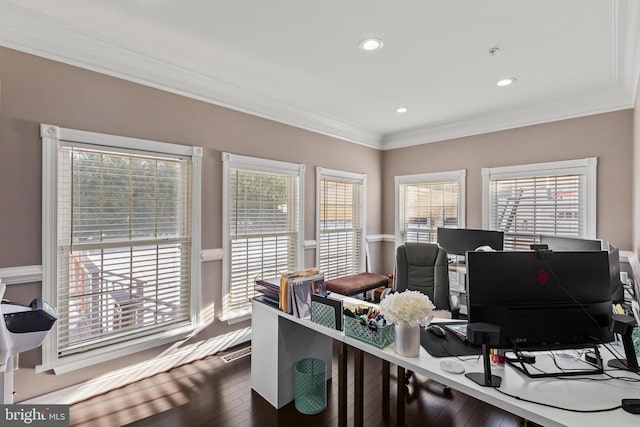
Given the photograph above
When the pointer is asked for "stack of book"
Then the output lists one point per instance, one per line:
(299, 288)
(292, 292)
(269, 290)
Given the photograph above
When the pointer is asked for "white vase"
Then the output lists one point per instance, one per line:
(407, 340)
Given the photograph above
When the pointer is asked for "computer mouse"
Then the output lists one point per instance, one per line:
(436, 330)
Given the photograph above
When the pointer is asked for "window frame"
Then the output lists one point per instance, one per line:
(355, 177)
(230, 161)
(586, 166)
(52, 137)
(427, 178)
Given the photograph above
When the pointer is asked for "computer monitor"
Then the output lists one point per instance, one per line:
(541, 301)
(458, 241)
(560, 243)
(617, 288)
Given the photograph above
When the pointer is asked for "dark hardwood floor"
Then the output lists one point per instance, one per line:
(210, 392)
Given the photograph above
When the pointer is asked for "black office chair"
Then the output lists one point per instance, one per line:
(424, 267)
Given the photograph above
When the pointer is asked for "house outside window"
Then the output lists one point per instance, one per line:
(425, 202)
(262, 237)
(554, 198)
(121, 244)
(340, 221)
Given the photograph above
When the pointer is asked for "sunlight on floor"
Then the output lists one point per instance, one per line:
(178, 354)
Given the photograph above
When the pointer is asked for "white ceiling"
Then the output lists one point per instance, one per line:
(298, 61)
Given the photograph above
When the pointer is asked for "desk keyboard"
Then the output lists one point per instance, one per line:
(458, 330)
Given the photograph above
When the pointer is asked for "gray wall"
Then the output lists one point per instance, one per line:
(605, 136)
(37, 90)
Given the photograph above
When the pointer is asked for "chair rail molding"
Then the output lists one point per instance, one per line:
(33, 273)
(19, 275)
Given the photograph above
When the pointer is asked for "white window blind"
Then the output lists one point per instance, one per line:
(262, 221)
(551, 198)
(341, 223)
(426, 202)
(124, 239)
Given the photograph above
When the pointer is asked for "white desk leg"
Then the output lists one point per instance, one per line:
(6, 377)
(276, 345)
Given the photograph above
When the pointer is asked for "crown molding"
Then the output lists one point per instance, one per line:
(560, 109)
(30, 31)
(26, 30)
(627, 38)
(626, 72)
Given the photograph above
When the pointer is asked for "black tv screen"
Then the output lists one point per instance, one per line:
(561, 243)
(541, 301)
(617, 288)
(458, 241)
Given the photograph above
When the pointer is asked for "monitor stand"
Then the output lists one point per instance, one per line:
(485, 378)
(533, 371)
(485, 334)
(623, 325)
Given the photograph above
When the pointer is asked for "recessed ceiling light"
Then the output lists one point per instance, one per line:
(370, 44)
(506, 82)
(401, 110)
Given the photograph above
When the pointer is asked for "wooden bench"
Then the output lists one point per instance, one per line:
(356, 283)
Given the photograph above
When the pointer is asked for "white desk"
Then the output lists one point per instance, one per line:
(279, 340)
(572, 393)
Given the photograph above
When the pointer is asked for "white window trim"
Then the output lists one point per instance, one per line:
(51, 136)
(258, 164)
(457, 175)
(586, 167)
(334, 173)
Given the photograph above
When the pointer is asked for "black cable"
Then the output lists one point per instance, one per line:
(617, 355)
(445, 347)
(609, 378)
(548, 405)
(561, 369)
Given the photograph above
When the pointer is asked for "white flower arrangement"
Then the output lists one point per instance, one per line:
(410, 308)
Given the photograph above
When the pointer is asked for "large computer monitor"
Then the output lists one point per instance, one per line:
(617, 288)
(458, 241)
(560, 243)
(541, 301)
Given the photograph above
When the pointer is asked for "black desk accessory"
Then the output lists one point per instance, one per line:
(436, 330)
(449, 346)
(623, 325)
(631, 406)
(487, 335)
(520, 356)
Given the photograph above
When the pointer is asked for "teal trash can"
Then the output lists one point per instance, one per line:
(310, 386)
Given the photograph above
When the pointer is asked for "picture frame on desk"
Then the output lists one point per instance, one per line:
(327, 311)
(301, 298)
(287, 282)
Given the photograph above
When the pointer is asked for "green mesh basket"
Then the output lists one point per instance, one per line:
(381, 337)
(310, 386)
(323, 314)
(636, 339)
